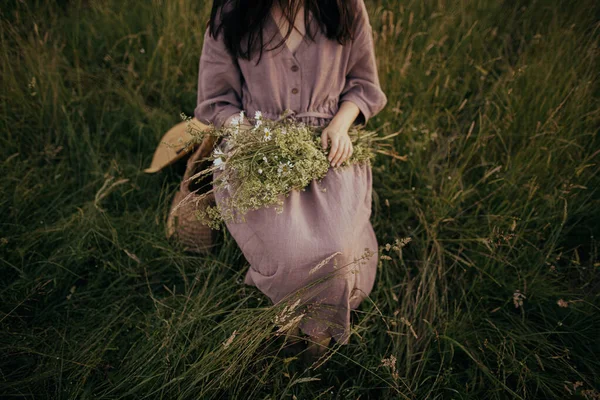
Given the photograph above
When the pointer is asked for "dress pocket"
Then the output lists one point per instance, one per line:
(254, 249)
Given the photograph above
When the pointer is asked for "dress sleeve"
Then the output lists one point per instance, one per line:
(219, 83)
(362, 82)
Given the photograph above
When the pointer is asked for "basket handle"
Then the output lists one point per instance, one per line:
(203, 151)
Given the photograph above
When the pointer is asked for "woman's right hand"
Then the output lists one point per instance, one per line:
(244, 126)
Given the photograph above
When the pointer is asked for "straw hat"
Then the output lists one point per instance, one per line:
(174, 146)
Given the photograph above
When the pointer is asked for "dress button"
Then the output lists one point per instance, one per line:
(295, 91)
(295, 68)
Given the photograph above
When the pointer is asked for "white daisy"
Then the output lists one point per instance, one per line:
(268, 135)
(284, 168)
(257, 119)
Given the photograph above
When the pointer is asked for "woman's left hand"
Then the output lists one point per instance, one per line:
(341, 145)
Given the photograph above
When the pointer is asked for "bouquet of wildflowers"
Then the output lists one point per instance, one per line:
(261, 161)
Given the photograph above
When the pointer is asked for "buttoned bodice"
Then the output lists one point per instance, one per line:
(311, 82)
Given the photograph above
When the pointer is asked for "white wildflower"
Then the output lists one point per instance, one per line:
(268, 135)
(284, 168)
(258, 119)
(260, 171)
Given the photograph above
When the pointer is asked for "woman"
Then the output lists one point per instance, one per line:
(316, 59)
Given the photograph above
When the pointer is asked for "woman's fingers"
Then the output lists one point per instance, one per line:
(335, 145)
(324, 140)
(341, 148)
(340, 154)
(347, 151)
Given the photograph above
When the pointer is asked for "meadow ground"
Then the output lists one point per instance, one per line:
(495, 296)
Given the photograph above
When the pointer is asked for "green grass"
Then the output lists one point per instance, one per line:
(498, 107)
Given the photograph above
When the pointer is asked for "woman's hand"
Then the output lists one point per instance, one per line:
(244, 126)
(341, 145)
(337, 134)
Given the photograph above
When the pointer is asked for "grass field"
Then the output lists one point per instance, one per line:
(496, 296)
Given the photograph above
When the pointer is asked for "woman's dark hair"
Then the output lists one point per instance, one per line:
(242, 21)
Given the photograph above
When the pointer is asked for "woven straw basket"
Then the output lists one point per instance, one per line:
(182, 224)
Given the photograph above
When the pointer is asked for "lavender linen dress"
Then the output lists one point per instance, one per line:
(331, 215)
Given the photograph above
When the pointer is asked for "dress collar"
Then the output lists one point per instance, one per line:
(276, 33)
